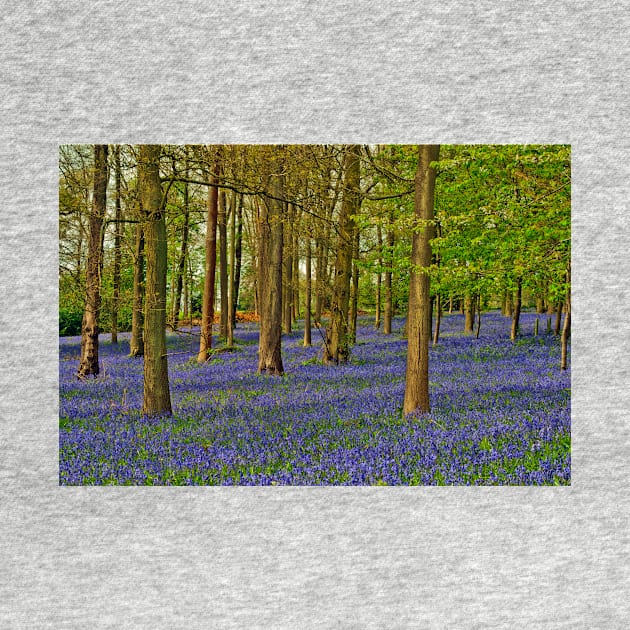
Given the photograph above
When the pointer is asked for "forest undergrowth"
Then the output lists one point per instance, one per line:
(500, 413)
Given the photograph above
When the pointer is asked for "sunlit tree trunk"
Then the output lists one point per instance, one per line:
(354, 295)
(469, 314)
(418, 320)
(337, 347)
(287, 274)
(157, 398)
(117, 250)
(232, 262)
(207, 306)
(181, 265)
(238, 252)
(270, 225)
(89, 326)
(223, 269)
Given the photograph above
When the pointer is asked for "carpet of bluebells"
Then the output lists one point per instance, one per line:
(500, 413)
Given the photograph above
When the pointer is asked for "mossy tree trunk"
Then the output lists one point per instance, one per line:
(89, 326)
(157, 398)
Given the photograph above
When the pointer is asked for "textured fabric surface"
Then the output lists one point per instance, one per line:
(434, 71)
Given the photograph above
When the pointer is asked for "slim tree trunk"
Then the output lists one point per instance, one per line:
(418, 320)
(238, 248)
(207, 306)
(117, 250)
(89, 326)
(307, 296)
(438, 319)
(337, 347)
(354, 301)
(377, 307)
(223, 269)
(478, 315)
(270, 226)
(136, 345)
(389, 302)
(232, 262)
(566, 329)
(287, 275)
(181, 265)
(517, 310)
(157, 398)
(559, 308)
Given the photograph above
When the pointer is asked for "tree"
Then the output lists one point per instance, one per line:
(419, 317)
(117, 249)
(337, 347)
(157, 399)
(89, 326)
(207, 309)
(270, 245)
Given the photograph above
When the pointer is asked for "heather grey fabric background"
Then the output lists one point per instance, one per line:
(433, 71)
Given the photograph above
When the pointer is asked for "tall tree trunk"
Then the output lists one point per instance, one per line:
(89, 326)
(238, 247)
(270, 226)
(136, 345)
(207, 306)
(418, 320)
(287, 274)
(181, 265)
(117, 250)
(231, 307)
(223, 269)
(157, 398)
(296, 266)
(566, 329)
(307, 296)
(354, 299)
(517, 310)
(388, 315)
(337, 347)
(377, 307)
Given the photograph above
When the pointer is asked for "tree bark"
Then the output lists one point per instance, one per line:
(239, 258)
(307, 296)
(270, 225)
(89, 326)
(469, 314)
(136, 345)
(181, 265)
(157, 398)
(207, 306)
(117, 250)
(388, 315)
(517, 310)
(223, 268)
(438, 319)
(566, 329)
(337, 347)
(287, 274)
(377, 307)
(418, 320)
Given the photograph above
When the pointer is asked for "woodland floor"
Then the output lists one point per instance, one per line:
(500, 413)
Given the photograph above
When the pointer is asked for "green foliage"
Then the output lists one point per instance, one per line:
(70, 322)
